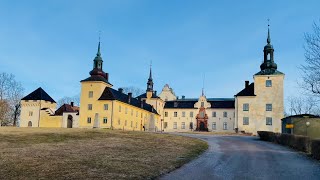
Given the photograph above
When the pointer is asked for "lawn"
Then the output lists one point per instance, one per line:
(40, 153)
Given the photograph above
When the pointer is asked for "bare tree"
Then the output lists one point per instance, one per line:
(67, 100)
(4, 109)
(11, 93)
(134, 90)
(303, 105)
(311, 68)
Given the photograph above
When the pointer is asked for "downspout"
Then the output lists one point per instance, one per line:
(112, 117)
(39, 115)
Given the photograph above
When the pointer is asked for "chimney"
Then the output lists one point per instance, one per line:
(107, 76)
(129, 97)
(142, 103)
(155, 93)
(120, 90)
(71, 104)
(246, 84)
(183, 97)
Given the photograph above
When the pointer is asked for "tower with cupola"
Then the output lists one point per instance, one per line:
(260, 105)
(91, 90)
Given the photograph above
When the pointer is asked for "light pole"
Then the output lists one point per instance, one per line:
(307, 125)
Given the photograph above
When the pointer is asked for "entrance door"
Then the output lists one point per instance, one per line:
(202, 127)
(69, 121)
(29, 124)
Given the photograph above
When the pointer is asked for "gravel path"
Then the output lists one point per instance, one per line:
(242, 157)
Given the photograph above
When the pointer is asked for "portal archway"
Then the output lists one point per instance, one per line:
(202, 126)
(69, 121)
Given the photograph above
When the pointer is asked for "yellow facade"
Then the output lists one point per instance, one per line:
(31, 113)
(112, 114)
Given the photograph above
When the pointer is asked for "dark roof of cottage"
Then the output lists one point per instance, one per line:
(189, 103)
(302, 115)
(112, 94)
(38, 94)
(66, 108)
(96, 78)
(144, 95)
(247, 91)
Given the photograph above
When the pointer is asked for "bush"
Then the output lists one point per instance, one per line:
(266, 135)
(301, 143)
(286, 139)
(315, 148)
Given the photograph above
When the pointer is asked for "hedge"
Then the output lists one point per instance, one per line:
(315, 148)
(300, 143)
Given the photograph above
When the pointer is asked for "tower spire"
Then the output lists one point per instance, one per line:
(268, 39)
(98, 53)
(150, 73)
(150, 81)
(268, 61)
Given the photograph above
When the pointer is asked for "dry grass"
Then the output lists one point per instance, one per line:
(39, 153)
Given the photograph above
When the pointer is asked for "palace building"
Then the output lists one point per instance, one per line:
(257, 107)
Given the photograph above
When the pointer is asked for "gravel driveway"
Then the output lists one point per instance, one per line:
(242, 157)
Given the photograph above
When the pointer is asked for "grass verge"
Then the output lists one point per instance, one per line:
(40, 153)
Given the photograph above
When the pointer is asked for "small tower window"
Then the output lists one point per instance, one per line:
(90, 107)
(202, 104)
(246, 107)
(268, 107)
(245, 120)
(268, 83)
(268, 56)
(90, 94)
(269, 121)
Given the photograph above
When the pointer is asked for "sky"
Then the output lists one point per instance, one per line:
(52, 44)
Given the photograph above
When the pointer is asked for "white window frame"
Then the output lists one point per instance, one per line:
(105, 107)
(268, 107)
(269, 121)
(175, 125)
(225, 126)
(90, 95)
(246, 121)
(90, 107)
(214, 126)
(183, 125)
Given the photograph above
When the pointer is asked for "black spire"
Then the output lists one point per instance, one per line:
(150, 81)
(268, 62)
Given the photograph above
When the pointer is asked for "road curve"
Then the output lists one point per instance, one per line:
(242, 157)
